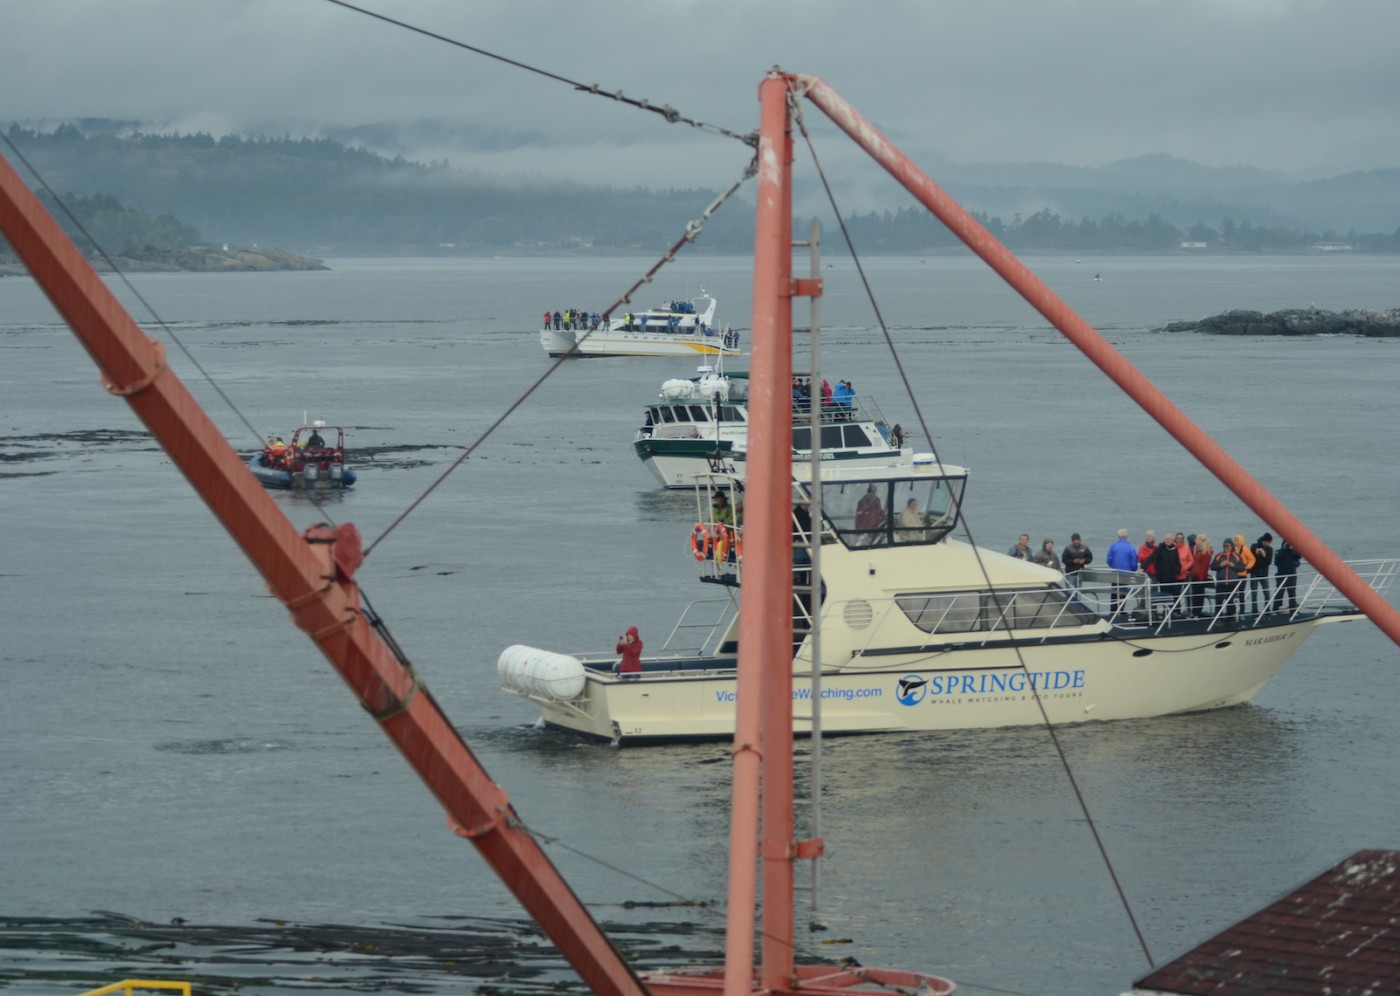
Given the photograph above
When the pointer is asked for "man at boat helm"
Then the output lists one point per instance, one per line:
(720, 510)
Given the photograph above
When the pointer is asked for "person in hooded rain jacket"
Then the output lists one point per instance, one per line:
(1045, 556)
(629, 646)
(1246, 558)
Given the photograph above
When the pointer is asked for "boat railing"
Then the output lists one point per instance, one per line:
(1127, 600)
(701, 627)
(856, 408)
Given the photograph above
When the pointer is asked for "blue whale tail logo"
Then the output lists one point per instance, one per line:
(910, 690)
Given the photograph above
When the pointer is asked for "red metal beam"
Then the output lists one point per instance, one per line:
(1104, 356)
(765, 635)
(313, 578)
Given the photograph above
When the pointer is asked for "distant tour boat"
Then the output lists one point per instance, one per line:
(676, 328)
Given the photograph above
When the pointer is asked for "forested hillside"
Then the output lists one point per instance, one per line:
(322, 197)
(318, 196)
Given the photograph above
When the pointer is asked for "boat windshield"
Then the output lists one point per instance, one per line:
(893, 511)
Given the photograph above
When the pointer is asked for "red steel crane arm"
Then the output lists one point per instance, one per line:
(314, 578)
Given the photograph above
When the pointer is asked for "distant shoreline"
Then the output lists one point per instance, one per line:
(193, 259)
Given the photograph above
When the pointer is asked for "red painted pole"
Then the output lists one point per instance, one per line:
(313, 578)
(1103, 355)
(765, 644)
(771, 445)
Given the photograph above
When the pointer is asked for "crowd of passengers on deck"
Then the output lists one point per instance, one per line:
(840, 399)
(1186, 576)
(570, 319)
(1186, 573)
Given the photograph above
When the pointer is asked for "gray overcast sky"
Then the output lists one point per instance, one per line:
(1309, 87)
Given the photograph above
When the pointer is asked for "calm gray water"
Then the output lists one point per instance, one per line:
(170, 746)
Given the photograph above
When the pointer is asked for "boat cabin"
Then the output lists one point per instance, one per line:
(895, 506)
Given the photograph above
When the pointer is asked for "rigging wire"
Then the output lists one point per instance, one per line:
(121, 275)
(692, 231)
(795, 104)
(668, 112)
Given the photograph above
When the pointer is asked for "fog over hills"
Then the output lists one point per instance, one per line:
(379, 188)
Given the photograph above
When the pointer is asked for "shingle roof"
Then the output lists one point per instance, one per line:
(1338, 935)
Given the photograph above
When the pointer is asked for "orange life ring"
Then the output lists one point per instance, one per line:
(738, 545)
(700, 541)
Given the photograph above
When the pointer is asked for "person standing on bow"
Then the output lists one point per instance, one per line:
(1165, 561)
(1045, 556)
(1259, 593)
(1123, 561)
(1076, 557)
(1200, 570)
(1149, 543)
(1227, 567)
(1286, 563)
(1022, 549)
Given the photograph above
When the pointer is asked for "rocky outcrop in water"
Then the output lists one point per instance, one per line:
(1297, 321)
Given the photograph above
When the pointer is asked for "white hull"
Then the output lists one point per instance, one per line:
(678, 472)
(920, 632)
(983, 688)
(608, 342)
(679, 329)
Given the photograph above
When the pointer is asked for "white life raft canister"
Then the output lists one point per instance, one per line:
(541, 672)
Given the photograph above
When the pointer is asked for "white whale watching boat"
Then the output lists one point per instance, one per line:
(920, 631)
(700, 425)
(676, 328)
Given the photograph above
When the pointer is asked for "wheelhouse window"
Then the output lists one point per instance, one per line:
(900, 512)
(993, 611)
(699, 413)
(831, 437)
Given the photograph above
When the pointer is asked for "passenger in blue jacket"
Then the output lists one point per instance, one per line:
(1122, 557)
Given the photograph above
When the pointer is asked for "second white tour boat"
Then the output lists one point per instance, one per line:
(700, 426)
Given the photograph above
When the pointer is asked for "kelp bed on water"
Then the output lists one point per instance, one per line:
(455, 954)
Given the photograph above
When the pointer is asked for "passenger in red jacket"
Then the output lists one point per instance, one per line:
(1145, 551)
(630, 647)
